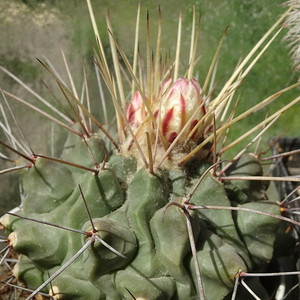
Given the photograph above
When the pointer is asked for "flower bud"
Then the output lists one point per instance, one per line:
(135, 110)
(179, 102)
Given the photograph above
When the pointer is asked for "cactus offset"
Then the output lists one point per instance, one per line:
(158, 217)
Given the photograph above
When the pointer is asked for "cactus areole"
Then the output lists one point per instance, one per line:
(132, 222)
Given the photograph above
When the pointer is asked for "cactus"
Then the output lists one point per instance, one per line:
(158, 214)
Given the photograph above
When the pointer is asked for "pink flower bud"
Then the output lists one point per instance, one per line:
(179, 102)
(135, 111)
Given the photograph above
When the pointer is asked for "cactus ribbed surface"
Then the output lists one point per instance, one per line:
(131, 211)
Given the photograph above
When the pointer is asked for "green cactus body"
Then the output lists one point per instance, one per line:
(212, 192)
(27, 272)
(132, 214)
(256, 231)
(48, 192)
(117, 236)
(38, 251)
(69, 287)
(143, 219)
(243, 191)
(142, 204)
(219, 264)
